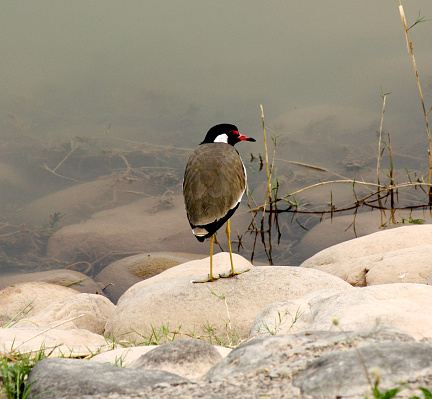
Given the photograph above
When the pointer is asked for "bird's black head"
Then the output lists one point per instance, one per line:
(225, 133)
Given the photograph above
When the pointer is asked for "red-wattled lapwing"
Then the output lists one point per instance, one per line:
(213, 186)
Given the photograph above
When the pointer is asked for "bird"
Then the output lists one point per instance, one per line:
(213, 186)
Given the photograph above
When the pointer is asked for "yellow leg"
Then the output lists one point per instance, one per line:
(233, 272)
(211, 258)
(210, 276)
(228, 233)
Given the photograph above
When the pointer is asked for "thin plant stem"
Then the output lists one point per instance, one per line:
(384, 96)
(391, 180)
(268, 194)
(411, 50)
(13, 350)
(324, 183)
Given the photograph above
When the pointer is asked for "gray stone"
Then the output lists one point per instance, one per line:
(280, 353)
(189, 358)
(70, 378)
(343, 373)
(266, 367)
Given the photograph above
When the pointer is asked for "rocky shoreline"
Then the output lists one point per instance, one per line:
(352, 315)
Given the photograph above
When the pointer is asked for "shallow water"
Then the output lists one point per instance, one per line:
(97, 80)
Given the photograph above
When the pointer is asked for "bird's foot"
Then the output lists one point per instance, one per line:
(233, 273)
(209, 279)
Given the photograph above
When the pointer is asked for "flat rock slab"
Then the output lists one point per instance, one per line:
(58, 342)
(353, 260)
(225, 305)
(67, 278)
(69, 378)
(400, 305)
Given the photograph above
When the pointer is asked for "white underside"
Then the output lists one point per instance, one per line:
(199, 231)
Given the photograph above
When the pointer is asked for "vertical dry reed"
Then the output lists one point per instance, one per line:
(411, 50)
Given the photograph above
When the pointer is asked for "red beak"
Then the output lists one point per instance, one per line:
(242, 137)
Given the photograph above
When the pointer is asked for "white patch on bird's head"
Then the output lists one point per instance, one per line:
(222, 138)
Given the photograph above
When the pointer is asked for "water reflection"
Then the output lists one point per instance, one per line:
(102, 103)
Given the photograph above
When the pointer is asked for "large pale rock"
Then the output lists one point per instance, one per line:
(195, 269)
(143, 226)
(65, 277)
(30, 298)
(352, 260)
(406, 265)
(86, 311)
(189, 358)
(53, 341)
(122, 274)
(399, 305)
(339, 229)
(227, 305)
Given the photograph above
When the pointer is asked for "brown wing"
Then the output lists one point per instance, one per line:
(214, 182)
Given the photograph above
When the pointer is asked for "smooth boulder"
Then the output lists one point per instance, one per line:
(82, 311)
(67, 278)
(352, 260)
(339, 229)
(120, 275)
(227, 306)
(27, 299)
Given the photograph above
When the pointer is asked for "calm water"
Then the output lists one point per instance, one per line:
(164, 72)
